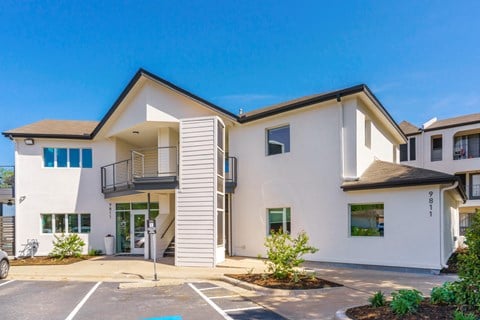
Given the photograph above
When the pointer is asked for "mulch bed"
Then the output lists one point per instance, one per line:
(266, 280)
(425, 311)
(37, 261)
(453, 261)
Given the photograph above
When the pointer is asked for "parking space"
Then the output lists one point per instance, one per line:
(89, 300)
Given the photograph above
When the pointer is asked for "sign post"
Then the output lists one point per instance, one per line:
(152, 231)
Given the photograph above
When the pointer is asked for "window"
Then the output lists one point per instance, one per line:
(475, 186)
(413, 148)
(403, 152)
(66, 223)
(466, 146)
(67, 158)
(48, 157)
(436, 154)
(366, 220)
(465, 222)
(368, 133)
(279, 220)
(408, 151)
(278, 140)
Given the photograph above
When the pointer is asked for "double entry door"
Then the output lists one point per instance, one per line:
(131, 231)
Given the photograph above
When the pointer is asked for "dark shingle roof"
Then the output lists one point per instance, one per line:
(453, 122)
(55, 128)
(383, 174)
(408, 128)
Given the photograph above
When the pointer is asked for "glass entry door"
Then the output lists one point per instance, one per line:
(131, 231)
(138, 231)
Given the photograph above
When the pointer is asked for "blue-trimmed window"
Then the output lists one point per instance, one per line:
(67, 158)
(49, 157)
(62, 157)
(87, 161)
(74, 155)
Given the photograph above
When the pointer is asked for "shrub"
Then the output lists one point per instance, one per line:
(405, 301)
(284, 253)
(467, 288)
(458, 315)
(67, 246)
(94, 252)
(377, 300)
(444, 294)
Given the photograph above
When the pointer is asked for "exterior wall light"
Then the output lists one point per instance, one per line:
(29, 141)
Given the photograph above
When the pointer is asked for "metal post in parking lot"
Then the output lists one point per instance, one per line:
(152, 232)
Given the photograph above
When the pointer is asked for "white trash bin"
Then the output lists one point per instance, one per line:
(109, 244)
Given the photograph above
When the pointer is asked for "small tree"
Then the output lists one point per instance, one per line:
(67, 246)
(285, 253)
(6, 178)
(468, 287)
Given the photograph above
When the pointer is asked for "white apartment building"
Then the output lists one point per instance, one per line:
(217, 183)
(452, 146)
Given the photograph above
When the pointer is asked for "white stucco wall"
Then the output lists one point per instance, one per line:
(308, 179)
(60, 190)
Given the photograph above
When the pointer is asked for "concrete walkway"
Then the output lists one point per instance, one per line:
(359, 284)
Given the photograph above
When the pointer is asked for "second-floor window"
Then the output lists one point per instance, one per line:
(278, 140)
(475, 186)
(466, 146)
(67, 158)
(409, 151)
(436, 154)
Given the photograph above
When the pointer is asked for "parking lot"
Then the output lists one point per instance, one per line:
(103, 300)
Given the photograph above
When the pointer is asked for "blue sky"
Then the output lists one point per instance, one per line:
(71, 59)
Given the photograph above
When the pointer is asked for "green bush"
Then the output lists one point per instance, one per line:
(406, 301)
(468, 287)
(377, 300)
(284, 253)
(94, 252)
(458, 315)
(67, 246)
(444, 294)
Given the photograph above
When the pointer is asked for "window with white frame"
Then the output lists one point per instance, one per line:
(67, 158)
(66, 223)
(408, 151)
(466, 146)
(279, 220)
(367, 220)
(436, 152)
(278, 140)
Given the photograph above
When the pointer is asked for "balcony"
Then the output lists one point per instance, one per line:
(147, 169)
(7, 184)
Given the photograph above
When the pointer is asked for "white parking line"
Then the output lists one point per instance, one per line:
(4, 283)
(224, 297)
(209, 288)
(211, 303)
(81, 303)
(243, 309)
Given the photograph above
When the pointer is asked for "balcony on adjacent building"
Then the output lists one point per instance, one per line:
(147, 169)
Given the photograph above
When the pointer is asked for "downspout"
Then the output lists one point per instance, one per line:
(342, 140)
(442, 226)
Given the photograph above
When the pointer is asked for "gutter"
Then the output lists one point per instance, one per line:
(442, 226)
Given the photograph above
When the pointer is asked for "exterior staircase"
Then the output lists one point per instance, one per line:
(170, 251)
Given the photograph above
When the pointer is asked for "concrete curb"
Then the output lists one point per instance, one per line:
(341, 315)
(273, 292)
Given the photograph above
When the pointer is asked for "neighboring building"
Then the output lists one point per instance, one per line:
(217, 183)
(452, 146)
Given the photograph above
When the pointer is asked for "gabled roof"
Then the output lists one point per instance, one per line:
(408, 128)
(78, 129)
(381, 174)
(454, 122)
(65, 129)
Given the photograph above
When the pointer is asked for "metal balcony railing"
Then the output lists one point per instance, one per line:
(149, 164)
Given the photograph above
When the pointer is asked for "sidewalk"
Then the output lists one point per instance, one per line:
(359, 284)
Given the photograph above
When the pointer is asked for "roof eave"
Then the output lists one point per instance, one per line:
(45, 135)
(395, 184)
(144, 73)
